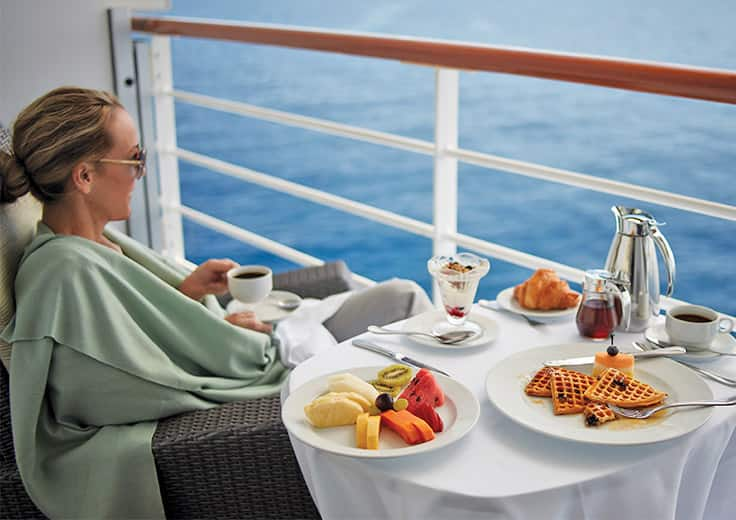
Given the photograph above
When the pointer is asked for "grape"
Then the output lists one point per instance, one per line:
(384, 402)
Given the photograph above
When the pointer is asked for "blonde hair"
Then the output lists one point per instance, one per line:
(51, 135)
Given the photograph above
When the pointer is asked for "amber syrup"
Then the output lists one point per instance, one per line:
(596, 319)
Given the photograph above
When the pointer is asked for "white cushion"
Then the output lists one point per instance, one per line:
(17, 227)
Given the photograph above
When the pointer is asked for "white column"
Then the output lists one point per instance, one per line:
(445, 166)
(168, 165)
(126, 88)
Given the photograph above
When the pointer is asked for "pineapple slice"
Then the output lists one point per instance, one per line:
(361, 426)
(373, 431)
(353, 396)
(335, 411)
(347, 382)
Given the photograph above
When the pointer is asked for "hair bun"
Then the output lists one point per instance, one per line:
(14, 182)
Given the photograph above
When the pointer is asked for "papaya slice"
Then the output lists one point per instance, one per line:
(424, 430)
(409, 427)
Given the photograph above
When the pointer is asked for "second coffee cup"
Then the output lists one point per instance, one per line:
(250, 283)
(695, 326)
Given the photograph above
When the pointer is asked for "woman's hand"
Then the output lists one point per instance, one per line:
(248, 320)
(208, 278)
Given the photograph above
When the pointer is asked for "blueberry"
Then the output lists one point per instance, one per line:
(612, 350)
(384, 402)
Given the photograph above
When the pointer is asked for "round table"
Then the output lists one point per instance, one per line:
(504, 470)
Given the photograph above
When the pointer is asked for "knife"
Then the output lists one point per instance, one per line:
(398, 356)
(588, 360)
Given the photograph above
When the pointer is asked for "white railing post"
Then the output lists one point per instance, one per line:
(168, 165)
(445, 165)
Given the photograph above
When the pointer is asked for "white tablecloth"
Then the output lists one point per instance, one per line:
(503, 470)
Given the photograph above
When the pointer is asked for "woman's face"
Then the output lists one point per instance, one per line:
(113, 187)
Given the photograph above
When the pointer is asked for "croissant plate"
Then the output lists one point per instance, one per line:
(545, 291)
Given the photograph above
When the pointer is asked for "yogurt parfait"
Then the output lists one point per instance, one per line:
(457, 277)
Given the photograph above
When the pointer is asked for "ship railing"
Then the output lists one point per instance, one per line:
(144, 79)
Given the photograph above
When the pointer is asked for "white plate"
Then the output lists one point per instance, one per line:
(425, 321)
(506, 381)
(459, 414)
(506, 300)
(723, 342)
(267, 310)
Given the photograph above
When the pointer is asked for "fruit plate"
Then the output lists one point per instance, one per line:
(506, 381)
(459, 414)
(507, 301)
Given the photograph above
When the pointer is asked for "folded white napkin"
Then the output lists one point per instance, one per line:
(302, 334)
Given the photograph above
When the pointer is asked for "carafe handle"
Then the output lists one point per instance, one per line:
(669, 258)
(620, 288)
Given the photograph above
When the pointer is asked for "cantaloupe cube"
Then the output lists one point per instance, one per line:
(361, 425)
(373, 431)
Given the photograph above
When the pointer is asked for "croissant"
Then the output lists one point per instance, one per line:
(545, 291)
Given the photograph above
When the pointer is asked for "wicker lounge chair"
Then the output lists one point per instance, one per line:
(232, 461)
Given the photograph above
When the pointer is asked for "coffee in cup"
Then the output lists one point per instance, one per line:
(250, 283)
(695, 326)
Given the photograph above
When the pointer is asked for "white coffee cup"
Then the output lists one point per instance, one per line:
(250, 284)
(694, 325)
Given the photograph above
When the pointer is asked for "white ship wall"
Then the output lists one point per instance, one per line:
(48, 43)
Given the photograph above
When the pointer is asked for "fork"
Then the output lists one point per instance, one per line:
(645, 413)
(493, 305)
(702, 371)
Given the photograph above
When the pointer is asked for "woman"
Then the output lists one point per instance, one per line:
(107, 337)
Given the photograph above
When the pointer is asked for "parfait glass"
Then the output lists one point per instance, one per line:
(457, 277)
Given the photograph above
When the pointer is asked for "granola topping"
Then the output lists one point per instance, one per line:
(457, 266)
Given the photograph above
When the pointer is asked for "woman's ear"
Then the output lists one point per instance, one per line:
(82, 177)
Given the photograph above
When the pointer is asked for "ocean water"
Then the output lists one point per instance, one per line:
(680, 145)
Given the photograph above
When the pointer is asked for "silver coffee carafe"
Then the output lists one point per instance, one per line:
(632, 259)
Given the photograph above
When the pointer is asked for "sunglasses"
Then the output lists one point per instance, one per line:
(139, 163)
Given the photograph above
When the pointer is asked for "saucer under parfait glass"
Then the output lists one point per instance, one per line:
(457, 277)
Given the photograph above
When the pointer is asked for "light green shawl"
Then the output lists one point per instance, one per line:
(103, 346)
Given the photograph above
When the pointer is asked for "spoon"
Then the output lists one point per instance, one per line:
(448, 338)
(702, 371)
(288, 304)
(663, 344)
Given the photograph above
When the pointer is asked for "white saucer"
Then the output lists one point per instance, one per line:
(723, 342)
(507, 301)
(424, 323)
(267, 310)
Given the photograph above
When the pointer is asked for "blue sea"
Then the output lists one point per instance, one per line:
(680, 145)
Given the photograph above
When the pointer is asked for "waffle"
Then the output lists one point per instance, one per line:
(617, 388)
(539, 385)
(596, 414)
(568, 387)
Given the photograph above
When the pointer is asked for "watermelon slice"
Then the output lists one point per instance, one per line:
(423, 389)
(427, 412)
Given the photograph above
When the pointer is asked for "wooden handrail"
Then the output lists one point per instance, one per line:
(642, 76)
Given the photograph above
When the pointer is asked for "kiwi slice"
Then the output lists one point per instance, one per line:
(395, 375)
(383, 388)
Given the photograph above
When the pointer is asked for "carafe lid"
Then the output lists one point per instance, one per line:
(633, 221)
(596, 280)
